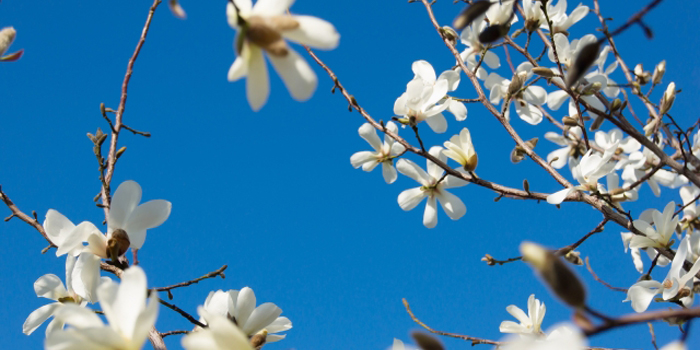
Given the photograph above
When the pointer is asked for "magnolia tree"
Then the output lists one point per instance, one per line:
(517, 59)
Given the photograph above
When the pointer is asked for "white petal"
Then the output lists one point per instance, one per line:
(39, 316)
(57, 226)
(297, 75)
(458, 109)
(50, 286)
(492, 60)
(146, 216)
(146, 320)
(437, 123)
(642, 293)
(124, 201)
(245, 305)
(430, 214)
(558, 197)
(452, 205)
(389, 172)
(410, 198)
(313, 32)
(529, 113)
(536, 95)
(268, 8)
(54, 326)
(86, 276)
(556, 99)
(412, 170)
(424, 70)
(243, 5)
(258, 82)
(281, 324)
(368, 133)
(78, 317)
(362, 157)
(238, 70)
(128, 301)
(262, 316)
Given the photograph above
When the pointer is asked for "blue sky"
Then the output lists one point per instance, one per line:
(272, 194)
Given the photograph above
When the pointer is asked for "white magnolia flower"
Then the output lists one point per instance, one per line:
(617, 193)
(124, 306)
(559, 337)
(432, 188)
(422, 102)
(658, 236)
(529, 324)
(587, 172)
(263, 28)
(636, 255)
(221, 334)
(67, 237)
(689, 194)
(501, 13)
(526, 100)
(239, 307)
(470, 38)
(561, 22)
(676, 345)
(383, 154)
(640, 163)
(461, 150)
(676, 285)
(571, 143)
(425, 71)
(534, 17)
(77, 291)
(126, 214)
(627, 144)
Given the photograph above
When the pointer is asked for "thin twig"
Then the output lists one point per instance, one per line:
(163, 335)
(183, 313)
(595, 277)
(219, 272)
(17, 213)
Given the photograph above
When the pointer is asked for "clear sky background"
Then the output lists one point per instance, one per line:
(272, 194)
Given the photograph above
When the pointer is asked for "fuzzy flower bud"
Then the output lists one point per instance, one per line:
(667, 99)
(561, 280)
(7, 36)
(659, 73)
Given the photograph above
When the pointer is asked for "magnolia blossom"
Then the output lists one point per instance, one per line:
(677, 285)
(470, 38)
(534, 17)
(124, 306)
(559, 337)
(571, 142)
(432, 188)
(619, 194)
(627, 144)
(640, 163)
(611, 90)
(561, 22)
(426, 73)
(76, 291)
(263, 28)
(383, 154)
(461, 150)
(239, 308)
(422, 102)
(526, 100)
(587, 172)
(65, 235)
(658, 236)
(689, 194)
(530, 323)
(501, 13)
(221, 334)
(7, 36)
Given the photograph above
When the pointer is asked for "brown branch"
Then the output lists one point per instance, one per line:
(219, 272)
(473, 340)
(595, 277)
(17, 213)
(119, 115)
(163, 335)
(630, 319)
(182, 313)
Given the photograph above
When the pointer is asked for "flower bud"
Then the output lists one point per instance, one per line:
(176, 9)
(642, 76)
(258, 340)
(569, 121)
(574, 257)
(426, 341)
(658, 73)
(471, 13)
(667, 99)
(493, 33)
(543, 72)
(517, 83)
(584, 60)
(616, 104)
(449, 34)
(7, 36)
(597, 122)
(561, 280)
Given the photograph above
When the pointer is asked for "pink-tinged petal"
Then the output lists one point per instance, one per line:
(369, 134)
(360, 158)
(78, 317)
(412, 170)
(425, 71)
(262, 316)
(558, 197)
(268, 8)
(146, 320)
(430, 213)
(245, 305)
(146, 216)
(437, 123)
(313, 32)
(258, 82)
(38, 317)
(244, 6)
(296, 74)
(452, 205)
(50, 286)
(57, 226)
(124, 201)
(556, 99)
(642, 293)
(389, 172)
(410, 198)
(281, 324)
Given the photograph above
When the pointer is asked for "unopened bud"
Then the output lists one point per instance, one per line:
(449, 34)
(176, 9)
(471, 13)
(584, 60)
(569, 121)
(121, 151)
(7, 36)
(493, 33)
(102, 108)
(543, 72)
(561, 280)
(642, 76)
(517, 83)
(592, 88)
(615, 105)
(597, 122)
(117, 244)
(658, 73)
(426, 341)
(574, 257)
(649, 128)
(526, 185)
(471, 163)
(517, 155)
(667, 99)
